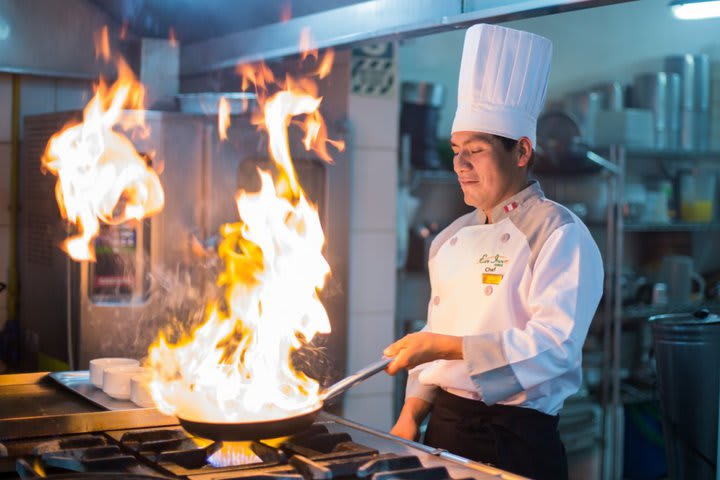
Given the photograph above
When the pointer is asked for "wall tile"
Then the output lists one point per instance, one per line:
(374, 189)
(369, 334)
(372, 410)
(372, 272)
(375, 121)
(4, 183)
(5, 107)
(72, 94)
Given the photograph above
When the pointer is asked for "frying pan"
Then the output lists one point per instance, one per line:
(240, 431)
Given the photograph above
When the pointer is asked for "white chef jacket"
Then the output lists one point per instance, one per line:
(522, 292)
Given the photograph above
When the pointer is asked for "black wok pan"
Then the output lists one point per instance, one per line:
(240, 431)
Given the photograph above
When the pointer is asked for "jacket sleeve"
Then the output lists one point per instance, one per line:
(564, 292)
(419, 390)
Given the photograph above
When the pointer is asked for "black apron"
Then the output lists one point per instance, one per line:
(520, 440)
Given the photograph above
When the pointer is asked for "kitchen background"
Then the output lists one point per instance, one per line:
(385, 290)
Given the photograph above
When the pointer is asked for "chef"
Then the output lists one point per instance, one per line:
(515, 283)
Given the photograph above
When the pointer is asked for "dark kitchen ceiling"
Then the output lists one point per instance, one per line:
(197, 20)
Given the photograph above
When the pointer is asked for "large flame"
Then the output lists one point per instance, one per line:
(223, 118)
(237, 366)
(101, 177)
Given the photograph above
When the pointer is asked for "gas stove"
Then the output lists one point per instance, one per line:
(47, 431)
(331, 448)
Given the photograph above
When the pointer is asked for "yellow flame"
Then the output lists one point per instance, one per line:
(223, 118)
(101, 177)
(237, 365)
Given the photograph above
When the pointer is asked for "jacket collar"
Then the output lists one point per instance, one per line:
(531, 192)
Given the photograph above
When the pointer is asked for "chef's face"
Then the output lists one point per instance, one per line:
(488, 173)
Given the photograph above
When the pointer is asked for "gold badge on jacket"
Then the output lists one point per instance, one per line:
(492, 278)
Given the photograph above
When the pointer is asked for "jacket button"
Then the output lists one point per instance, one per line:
(505, 237)
(436, 300)
(453, 241)
(488, 290)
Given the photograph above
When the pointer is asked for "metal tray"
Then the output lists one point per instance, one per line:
(79, 382)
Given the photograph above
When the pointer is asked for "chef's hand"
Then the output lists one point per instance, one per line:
(411, 416)
(422, 347)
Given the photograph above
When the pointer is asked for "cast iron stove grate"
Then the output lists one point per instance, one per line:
(82, 456)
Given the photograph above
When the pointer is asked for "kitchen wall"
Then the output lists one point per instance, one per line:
(37, 95)
(589, 46)
(374, 121)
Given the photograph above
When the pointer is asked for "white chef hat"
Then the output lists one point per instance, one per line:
(503, 80)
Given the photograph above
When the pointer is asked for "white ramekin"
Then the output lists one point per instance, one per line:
(116, 380)
(140, 391)
(98, 365)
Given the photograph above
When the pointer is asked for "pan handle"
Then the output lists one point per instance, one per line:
(343, 385)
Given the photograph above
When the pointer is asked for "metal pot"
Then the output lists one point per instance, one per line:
(687, 361)
(560, 147)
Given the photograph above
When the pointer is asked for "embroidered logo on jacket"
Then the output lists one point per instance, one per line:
(491, 265)
(496, 260)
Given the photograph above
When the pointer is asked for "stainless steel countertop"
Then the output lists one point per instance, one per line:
(33, 405)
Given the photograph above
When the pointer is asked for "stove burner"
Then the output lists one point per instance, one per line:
(171, 452)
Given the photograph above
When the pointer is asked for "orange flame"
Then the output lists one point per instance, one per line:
(307, 44)
(237, 365)
(101, 177)
(223, 118)
(102, 44)
(173, 38)
(285, 12)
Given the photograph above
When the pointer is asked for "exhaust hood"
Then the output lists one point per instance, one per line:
(56, 39)
(368, 21)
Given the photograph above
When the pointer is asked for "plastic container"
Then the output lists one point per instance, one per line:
(697, 196)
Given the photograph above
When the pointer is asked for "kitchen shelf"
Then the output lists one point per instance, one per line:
(644, 311)
(672, 227)
(667, 154)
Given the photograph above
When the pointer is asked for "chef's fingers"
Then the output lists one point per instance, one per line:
(394, 348)
(399, 362)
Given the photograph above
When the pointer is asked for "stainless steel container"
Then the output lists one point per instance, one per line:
(694, 71)
(688, 360)
(684, 65)
(660, 92)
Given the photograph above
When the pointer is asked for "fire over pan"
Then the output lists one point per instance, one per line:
(240, 431)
